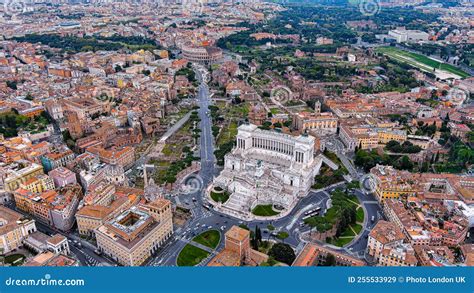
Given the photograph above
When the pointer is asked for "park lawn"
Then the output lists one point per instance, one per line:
(209, 238)
(420, 61)
(220, 197)
(353, 184)
(331, 215)
(164, 164)
(159, 176)
(347, 232)
(228, 133)
(16, 259)
(357, 228)
(275, 110)
(360, 215)
(191, 256)
(325, 222)
(170, 149)
(220, 104)
(238, 111)
(264, 211)
(341, 241)
(353, 198)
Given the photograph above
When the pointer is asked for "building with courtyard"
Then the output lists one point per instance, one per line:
(133, 236)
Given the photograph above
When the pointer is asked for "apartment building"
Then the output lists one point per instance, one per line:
(58, 158)
(391, 183)
(314, 254)
(14, 228)
(124, 156)
(384, 234)
(39, 183)
(421, 225)
(100, 194)
(402, 255)
(325, 123)
(20, 172)
(367, 137)
(55, 208)
(62, 176)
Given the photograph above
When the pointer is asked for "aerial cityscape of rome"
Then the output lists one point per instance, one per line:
(236, 133)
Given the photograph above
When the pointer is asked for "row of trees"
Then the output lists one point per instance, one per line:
(368, 159)
(406, 147)
(76, 44)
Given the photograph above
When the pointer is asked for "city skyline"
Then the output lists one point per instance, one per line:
(236, 133)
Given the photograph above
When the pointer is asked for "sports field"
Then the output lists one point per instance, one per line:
(422, 62)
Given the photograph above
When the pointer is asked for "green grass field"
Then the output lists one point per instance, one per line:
(228, 133)
(191, 256)
(347, 233)
(357, 228)
(341, 241)
(209, 238)
(264, 211)
(220, 197)
(360, 215)
(15, 259)
(420, 61)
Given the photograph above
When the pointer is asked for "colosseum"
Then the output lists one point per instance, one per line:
(200, 54)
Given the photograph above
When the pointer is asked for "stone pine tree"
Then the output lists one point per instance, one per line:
(330, 260)
(258, 235)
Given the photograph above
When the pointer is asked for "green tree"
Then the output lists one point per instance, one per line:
(282, 252)
(282, 235)
(330, 260)
(470, 137)
(405, 163)
(258, 235)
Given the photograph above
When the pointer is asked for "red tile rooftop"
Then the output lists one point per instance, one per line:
(56, 239)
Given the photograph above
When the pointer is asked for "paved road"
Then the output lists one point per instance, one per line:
(85, 253)
(371, 208)
(204, 219)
